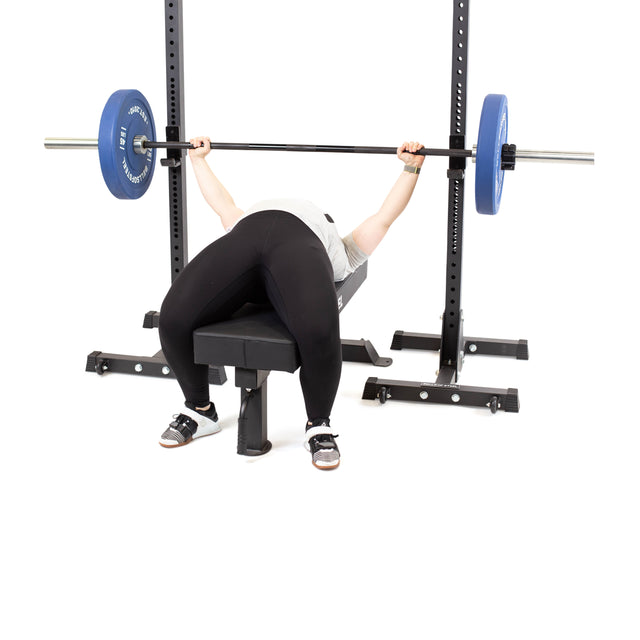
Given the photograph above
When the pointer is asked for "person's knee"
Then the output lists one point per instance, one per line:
(172, 322)
(321, 336)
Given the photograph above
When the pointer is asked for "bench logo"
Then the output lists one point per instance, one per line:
(339, 302)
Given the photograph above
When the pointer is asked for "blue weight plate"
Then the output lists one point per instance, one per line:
(126, 115)
(492, 134)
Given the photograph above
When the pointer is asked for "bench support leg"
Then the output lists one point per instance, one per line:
(252, 421)
(363, 351)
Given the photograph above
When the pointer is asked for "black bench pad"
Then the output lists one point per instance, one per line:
(256, 338)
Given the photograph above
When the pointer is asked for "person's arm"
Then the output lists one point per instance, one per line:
(212, 189)
(369, 234)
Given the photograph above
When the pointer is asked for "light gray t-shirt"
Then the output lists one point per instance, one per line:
(344, 254)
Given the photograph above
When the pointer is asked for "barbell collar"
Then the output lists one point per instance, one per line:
(139, 144)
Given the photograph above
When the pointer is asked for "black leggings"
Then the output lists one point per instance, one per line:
(267, 257)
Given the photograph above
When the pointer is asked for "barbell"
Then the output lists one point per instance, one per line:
(126, 145)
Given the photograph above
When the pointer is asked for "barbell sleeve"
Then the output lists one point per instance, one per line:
(564, 157)
(574, 157)
(71, 143)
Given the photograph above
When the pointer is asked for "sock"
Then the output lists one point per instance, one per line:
(318, 422)
(209, 413)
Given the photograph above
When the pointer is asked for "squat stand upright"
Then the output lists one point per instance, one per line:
(156, 366)
(451, 343)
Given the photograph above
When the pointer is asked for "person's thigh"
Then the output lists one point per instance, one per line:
(219, 280)
(299, 279)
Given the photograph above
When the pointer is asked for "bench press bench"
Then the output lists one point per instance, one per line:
(255, 341)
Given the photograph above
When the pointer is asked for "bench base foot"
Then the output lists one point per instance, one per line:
(252, 421)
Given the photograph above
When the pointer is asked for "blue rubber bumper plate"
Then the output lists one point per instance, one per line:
(126, 115)
(492, 134)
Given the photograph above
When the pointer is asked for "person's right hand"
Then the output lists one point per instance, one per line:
(202, 146)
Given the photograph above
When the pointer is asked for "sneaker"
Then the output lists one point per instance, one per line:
(189, 425)
(319, 439)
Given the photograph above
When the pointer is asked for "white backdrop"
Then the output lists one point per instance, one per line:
(441, 522)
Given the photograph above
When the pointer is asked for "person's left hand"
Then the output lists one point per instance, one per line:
(406, 151)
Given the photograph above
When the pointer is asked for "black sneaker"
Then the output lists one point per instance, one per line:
(320, 440)
(189, 425)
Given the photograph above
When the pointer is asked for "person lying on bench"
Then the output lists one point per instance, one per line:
(284, 252)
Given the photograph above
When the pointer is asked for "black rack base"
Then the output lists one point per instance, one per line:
(518, 349)
(445, 389)
(436, 393)
(154, 366)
